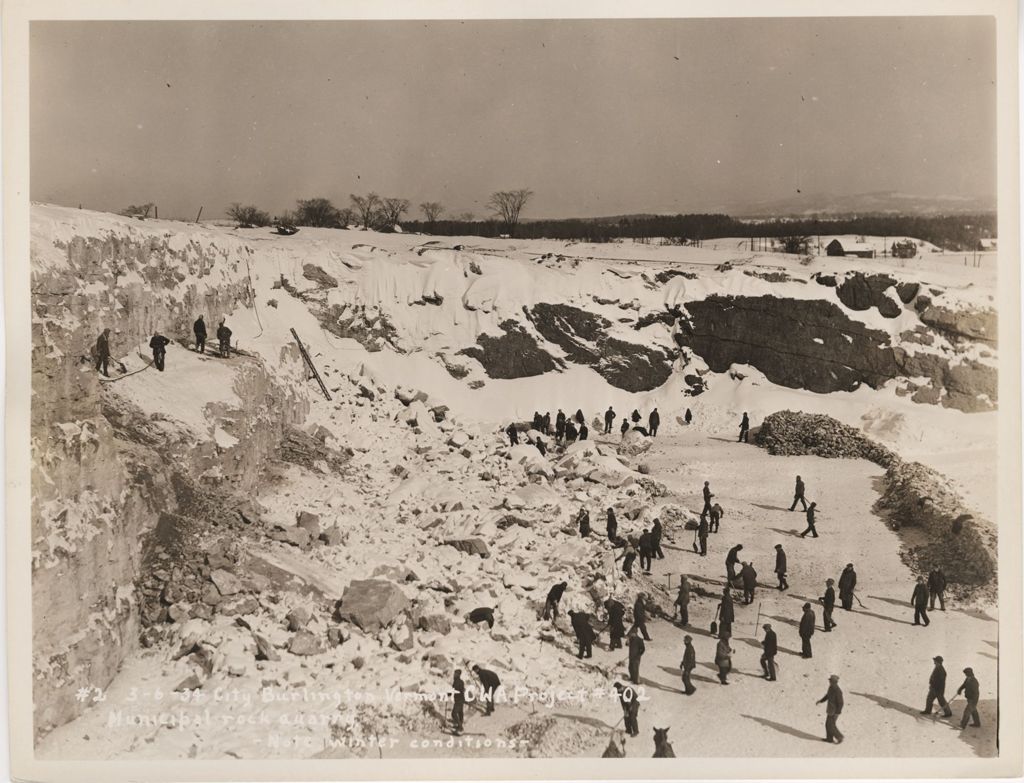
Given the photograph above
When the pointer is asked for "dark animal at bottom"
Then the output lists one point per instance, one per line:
(662, 747)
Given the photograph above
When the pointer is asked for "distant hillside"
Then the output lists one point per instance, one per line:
(878, 203)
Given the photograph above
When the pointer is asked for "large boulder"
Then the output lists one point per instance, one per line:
(226, 582)
(309, 522)
(471, 546)
(634, 443)
(371, 604)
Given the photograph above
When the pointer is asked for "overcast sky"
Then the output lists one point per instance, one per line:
(597, 117)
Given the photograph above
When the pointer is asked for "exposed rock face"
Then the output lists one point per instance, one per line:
(372, 604)
(584, 338)
(862, 292)
(516, 354)
(981, 325)
(780, 337)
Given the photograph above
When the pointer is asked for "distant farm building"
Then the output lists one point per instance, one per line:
(987, 243)
(859, 249)
(905, 248)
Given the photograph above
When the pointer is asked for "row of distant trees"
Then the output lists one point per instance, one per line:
(380, 213)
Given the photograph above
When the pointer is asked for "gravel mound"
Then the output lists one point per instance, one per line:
(793, 433)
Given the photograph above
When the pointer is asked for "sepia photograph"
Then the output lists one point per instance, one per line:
(392, 392)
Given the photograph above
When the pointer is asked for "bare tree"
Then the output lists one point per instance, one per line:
(506, 206)
(317, 212)
(794, 244)
(140, 211)
(248, 216)
(431, 210)
(366, 208)
(391, 211)
(466, 217)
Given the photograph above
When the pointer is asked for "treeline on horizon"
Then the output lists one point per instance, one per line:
(951, 232)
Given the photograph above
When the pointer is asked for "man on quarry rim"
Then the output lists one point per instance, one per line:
(609, 419)
(551, 604)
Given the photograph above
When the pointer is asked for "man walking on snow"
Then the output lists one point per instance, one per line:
(834, 708)
(806, 631)
(688, 664)
(653, 421)
(702, 536)
(636, 652)
(609, 420)
(707, 500)
(640, 616)
(646, 551)
(936, 589)
(810, 522)
(769, 649)
(744, 429)
(798, 495)
(937, 689)
(683, 601)
(159, 345)
(920, 601)
(199, 330)
(716, 518)
(780, 566)
(847, 584)
(656, 532)
(513, 435)
(972, 692)
(828, 601)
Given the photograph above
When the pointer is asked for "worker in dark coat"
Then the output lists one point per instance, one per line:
(583, 518)
(103, 352)
(584, 432)
(613, 525)
(579, 416)
(688, 417)
(490, 682)
(627, 557)
(656, 533)
(919, 599)
(936, 589)
(847, 584)
(683, 601)
(538, 421)
(199, 330)
(834, 708)
(744, 429)
(624, 428)
(806, 631)
(541, 447)
(635, 416)
(653, 422)
(707, 500)
(731, 559)
(459, 705)
(972, 692)
(547, 423)
(482, 614)
(159, 345)
(646, 551)
(688, 664)
(551, 604)
(780, 566)
(937, 689)
(616, 625)
(716, 515)
(513, 435)
(560, 425)
(224, 339)
(630, 701)
(636, 652)
(726, 613)
(723, 658)
(702, 536)
(769, 649)
(798, 495)
(828, 602)
(810, 522)
(640, 616)
(584, 633)
(609, 419)
(570, 432)
(749, 578)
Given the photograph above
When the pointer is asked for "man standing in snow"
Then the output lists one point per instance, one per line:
(972, 692)
(707, 500)
(613, 526)
(920, 602)
(702, 536)
(636, 652)
(159, 345)
(646, 551)
(744, 429)
(798, 495)
(749, 578)
(731, 559)
(688, 664)
(806, 631)
(640, 616)
(541, 447)
(584, 633)
(769, 649)
(653, 421)
(726, 613)
(551, 604)
(224, 339)
(627, 557)
(513, 435)
(584, 432)
(583, 518)
(656, 532)
(616, 626)
(630, 701)
(559, 425)
(834, 708)
(688, 418)
(716, 518)
(570, 432)
(683, 601)
(199, 330)
(490, 682)
(459, 706)
(936, 589)
(635, 416)
(810, 522)
(847, 584)
(579, 416)
(780, 566)
(609, 420)
(937, 689)
(547, 423)
(103, 352)
(828, 601)
(624, 428)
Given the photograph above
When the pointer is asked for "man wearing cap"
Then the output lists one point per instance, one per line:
(636, 652)
(688, 664)
(458, 708)
(806, 631)
(828, 601)
(971, 691)
(780, 566)
(847, 584)
(920, 601)
(770, 648)
(834, 708)
(937, 689)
